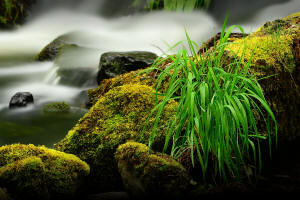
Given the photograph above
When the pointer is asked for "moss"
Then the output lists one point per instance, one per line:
(271, 48)
(13, 12)
(56, 107)
(118, 116)
(147, 173)
(134, 77)
(30, 171)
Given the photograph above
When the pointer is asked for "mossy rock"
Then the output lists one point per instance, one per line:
(274, 51)
(50, 51)
(275, 62)
(57, 107)
(28, 171)
(119, 115)
(145, 173)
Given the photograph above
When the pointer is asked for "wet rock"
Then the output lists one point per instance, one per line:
(145, 173)
(31, 172)
(21, 99)
(51, 50)
(115, 63)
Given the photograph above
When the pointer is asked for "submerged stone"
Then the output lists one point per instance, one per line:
(28, 171)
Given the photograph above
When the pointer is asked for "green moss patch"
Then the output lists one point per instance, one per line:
(56, 107)
(28, 171)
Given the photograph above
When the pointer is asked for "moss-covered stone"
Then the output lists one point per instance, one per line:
(274, 49)
(50, 51)
(119, 115)
(57, 107)
(274, 52)
(145, 173)
(28, 171)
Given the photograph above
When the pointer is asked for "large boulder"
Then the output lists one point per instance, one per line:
(116, 63)
(274, 50)
(119, 115)
(21, 99)
(145, 173)
(28, 171)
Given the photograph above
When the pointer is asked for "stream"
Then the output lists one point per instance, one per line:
(86, 25)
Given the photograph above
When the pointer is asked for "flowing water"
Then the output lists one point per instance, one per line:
(85, 23)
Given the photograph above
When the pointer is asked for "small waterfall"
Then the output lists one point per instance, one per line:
(52, 76)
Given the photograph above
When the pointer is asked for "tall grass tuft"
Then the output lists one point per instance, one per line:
(217, 112)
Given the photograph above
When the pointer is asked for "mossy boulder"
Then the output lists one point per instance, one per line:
(13, 12)
(273, 52)
(113, 64)
(28, 171)
(57, 107)
(119, 115)
(145, 173)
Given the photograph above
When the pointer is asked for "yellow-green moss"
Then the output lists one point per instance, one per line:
(271, 48)
(151, 173)
(56, 107)
(27, 170)
(118, 116)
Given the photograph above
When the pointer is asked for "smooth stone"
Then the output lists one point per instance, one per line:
(21, 99)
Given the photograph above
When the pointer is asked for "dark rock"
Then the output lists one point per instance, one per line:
(113, 64)
(21, 99)
(212, 41)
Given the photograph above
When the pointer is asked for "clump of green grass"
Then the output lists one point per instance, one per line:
(216, 117)
(177, 5)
